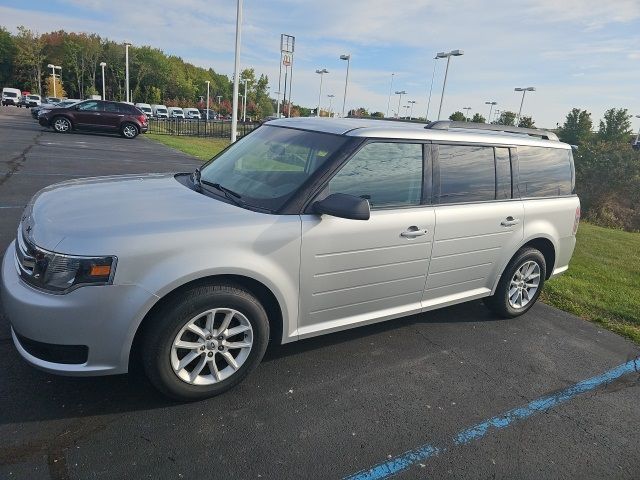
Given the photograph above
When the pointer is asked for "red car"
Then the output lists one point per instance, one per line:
(97, 115)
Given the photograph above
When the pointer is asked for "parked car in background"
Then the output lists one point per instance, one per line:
(192, 113)
(145, 108)
(53, 100)
(159, 111)
(37, 111)
(176, 112)
(33, 100)
(97, 115)
(11, 96)
(212, 115)
(305, 227)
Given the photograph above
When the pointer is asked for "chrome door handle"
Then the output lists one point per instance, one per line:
(413, 232)
(510, 222)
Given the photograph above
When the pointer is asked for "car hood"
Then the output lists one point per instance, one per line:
(77, 216)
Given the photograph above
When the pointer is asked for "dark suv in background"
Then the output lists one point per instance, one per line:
(97, 115)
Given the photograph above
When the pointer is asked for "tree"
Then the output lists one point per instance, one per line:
(527, 122)
(7, 56)
(58, 91)
(577, 127)
(458, 117)
(359, 112)
(477, 118)
(30, 57)
(377, 115)
(506, 118)
(616, 126)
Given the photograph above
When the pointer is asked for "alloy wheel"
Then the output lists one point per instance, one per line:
(524, 284)
(61, 125)
(129, 131)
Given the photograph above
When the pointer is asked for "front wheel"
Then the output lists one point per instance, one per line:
(520, 284)
(205, 341)
(61, 125)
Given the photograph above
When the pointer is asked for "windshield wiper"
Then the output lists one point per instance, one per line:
(217, 186)
(228, 193)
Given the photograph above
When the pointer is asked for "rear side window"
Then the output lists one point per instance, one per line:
(386, 174)
(544, 172)
(503, 174)
(467, 173)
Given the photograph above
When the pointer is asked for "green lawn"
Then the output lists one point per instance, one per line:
(603, 280)
(202, 148)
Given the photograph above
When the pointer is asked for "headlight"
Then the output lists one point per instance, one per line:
(58, 273)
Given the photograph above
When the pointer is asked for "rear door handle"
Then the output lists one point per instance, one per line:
(510, 222)
(413, 232)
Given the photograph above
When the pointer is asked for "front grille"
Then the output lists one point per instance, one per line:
(49, 352)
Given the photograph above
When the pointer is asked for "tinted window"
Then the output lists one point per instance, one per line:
(111, 107)
(544, 172)
(503, 173)
(387, 174)
(90, 106)
(467, 173)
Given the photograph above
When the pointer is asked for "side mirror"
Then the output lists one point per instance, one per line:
(343, 206)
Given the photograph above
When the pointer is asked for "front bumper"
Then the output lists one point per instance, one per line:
(43, 120)
(101, 318)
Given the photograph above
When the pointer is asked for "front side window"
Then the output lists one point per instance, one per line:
(544, 172)
(91, 106)
(467, 173)
(270, 164)
(386, 174)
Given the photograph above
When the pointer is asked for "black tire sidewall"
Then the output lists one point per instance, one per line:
(124, 125)
(170, 320)
(499, 301)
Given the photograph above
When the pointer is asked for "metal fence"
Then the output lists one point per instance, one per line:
(198, 128)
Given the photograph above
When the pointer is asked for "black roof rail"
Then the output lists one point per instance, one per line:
(534, 132)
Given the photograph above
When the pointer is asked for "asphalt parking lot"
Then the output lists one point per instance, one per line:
(441, 386)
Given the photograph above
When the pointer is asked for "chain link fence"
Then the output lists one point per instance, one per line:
(198, 128)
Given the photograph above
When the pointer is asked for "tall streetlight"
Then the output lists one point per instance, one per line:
(208, 82)
(468, 109)
(448, 55)
(412, 103)
(330, 102)
(433, 76)
(236, 74)
(492, 104)
(346, 80)
(244, 101)
(126, 70)
(219, 97)
(390, 90)
(524, 91)
(638, 135)
(53, 75)
(406, 107)
(400, 93)
(496, 115)
(321, 73)
(104, 94)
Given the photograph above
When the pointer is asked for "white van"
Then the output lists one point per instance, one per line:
(176, 112)
(159, 111)
(11, 96)
(33, 100)
(192, 113)
(145, 108)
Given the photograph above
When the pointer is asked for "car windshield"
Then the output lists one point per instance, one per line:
(269, 165)
(161, 110)
(10, 94)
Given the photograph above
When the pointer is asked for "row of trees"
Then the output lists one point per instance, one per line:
(154, 77)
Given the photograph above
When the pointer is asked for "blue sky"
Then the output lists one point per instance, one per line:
(577, 53)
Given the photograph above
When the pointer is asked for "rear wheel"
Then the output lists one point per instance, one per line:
(129, 130)
(61, 125)
(520, 284)
(205, 341)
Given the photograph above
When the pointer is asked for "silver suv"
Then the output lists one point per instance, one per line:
(303, 227)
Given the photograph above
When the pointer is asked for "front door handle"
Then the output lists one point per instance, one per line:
(510, 222)
(413, 232)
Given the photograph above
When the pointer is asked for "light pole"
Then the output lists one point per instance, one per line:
(492, 104)
(236, 73)
(219, 97)
(244, 101)
(400, 93)
(638, 135)
(321, 72)
(346, 80)
(496, 115)
(53, 75)
(330, 102)
(468, 109)
(390, 90)
(406, 107)
(433, 76)
(208, 82)
(126, 68)
(448, 55)
(524, 91)
(104, 94)
(412, 102)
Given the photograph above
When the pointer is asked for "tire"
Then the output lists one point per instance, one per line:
(163, 360)
(61, 125)
(501, 302)
(129, 130)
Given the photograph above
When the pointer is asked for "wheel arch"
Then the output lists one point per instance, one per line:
(266, 297)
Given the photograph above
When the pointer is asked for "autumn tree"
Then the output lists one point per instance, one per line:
(30, 57)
